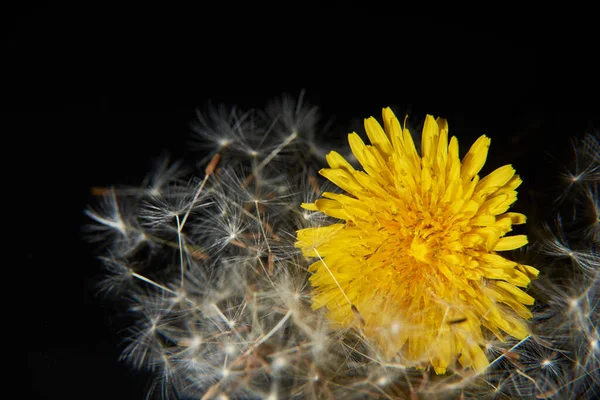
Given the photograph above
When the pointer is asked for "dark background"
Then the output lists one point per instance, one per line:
(92, 94)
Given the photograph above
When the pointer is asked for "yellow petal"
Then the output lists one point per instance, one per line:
(391, 125)
(515, 218)
(430, 138)
(510, 242)
(483, 220)
(512, 184)
(410, 151)
(377, 137)
(441, 157)
(332, 208)
(496, 179)
(453, 163)
(528, 270)
(309, 206)
(475, 158)
(358, 148)
(516, 292)
(343, 180)
(335, 160)
(353, 208)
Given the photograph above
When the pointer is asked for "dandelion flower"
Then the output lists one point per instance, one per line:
(414, 263)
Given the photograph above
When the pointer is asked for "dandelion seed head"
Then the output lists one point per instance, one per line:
(418, 239)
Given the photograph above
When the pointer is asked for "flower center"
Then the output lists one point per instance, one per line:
(420, 250)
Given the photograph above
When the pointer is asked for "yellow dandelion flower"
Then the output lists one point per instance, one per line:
(415, 264)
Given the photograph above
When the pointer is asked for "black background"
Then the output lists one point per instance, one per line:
(92, 94)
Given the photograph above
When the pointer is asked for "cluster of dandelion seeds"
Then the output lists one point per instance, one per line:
(256, 278)
(562, 356)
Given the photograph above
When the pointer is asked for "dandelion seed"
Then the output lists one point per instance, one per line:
(585, 168)
(272, 396)
(382, 381)
(115, 224)
(279, 363)
(419, 242)
(222, 129)
(557, 246)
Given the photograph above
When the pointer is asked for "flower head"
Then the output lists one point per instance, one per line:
(414, 263)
